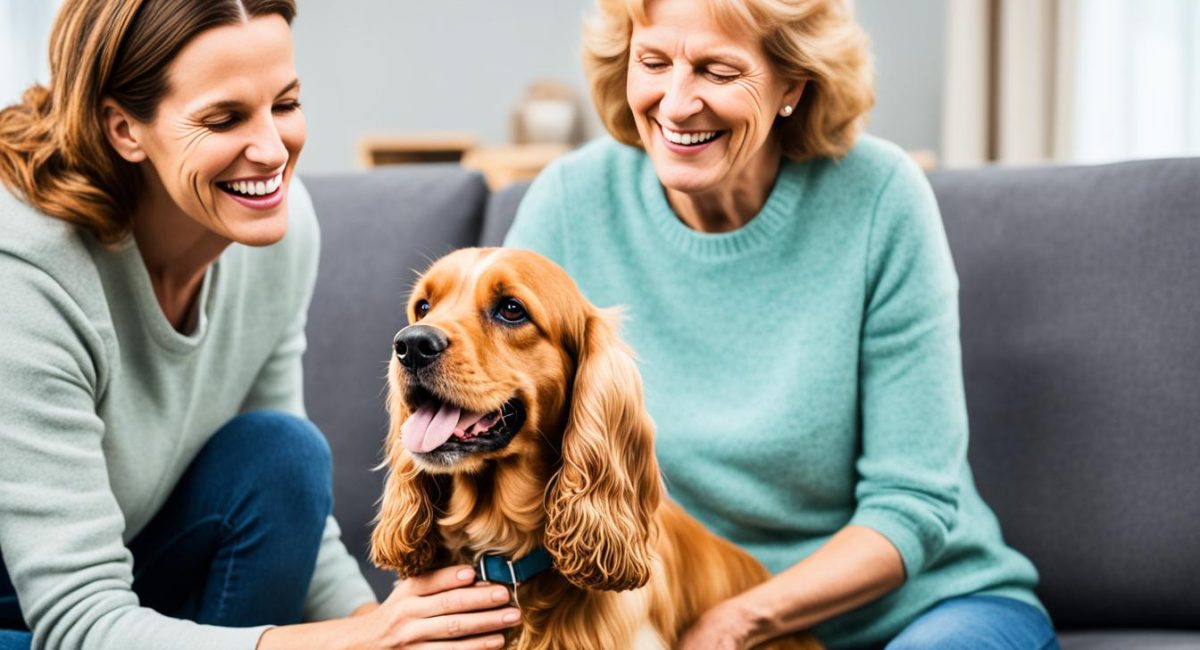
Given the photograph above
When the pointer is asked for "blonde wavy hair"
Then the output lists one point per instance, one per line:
(814, 41)
(53, 149)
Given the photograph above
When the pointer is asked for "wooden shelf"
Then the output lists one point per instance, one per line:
(375, 150)
(502, 165)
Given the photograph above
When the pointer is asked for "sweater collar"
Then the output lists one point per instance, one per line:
(780, 208)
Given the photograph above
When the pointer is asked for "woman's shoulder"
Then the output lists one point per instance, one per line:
(46, 245)
(873, 160)
(26, 229)
(871, 168)
(52, 291)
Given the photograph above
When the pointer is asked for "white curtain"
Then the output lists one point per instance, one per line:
(1137, 86)
(1006, 61)
(24, 44)
(1071, 81)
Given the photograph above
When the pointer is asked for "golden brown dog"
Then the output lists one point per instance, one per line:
(517, 423)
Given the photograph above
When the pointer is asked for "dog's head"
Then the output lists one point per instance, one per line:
(507, 374)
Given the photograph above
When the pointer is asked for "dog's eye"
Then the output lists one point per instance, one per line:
(422, 308)
(510, 310)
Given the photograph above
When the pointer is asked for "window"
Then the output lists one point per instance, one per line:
(24, 43)
(1137, 80)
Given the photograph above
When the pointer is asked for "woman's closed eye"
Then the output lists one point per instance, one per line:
(654, 65)
(223, 122)
(227, 121)
(721, 74)
(287, 106)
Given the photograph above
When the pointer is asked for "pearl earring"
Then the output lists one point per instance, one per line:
(786, 111)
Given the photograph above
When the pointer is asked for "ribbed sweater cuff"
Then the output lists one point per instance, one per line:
(900, 533)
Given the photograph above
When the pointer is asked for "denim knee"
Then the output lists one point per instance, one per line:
(978, 622)
(287, 456)
(11, 640)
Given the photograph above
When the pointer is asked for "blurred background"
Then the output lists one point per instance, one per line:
(499, 85)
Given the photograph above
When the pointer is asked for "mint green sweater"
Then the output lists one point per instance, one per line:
(803, 371)
(103, 405)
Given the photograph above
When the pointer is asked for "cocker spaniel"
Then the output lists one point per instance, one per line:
(518, 437)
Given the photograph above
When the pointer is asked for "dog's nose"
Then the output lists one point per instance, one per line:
(418, 346)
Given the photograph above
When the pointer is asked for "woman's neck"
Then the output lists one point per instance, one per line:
(176, 251)
(736, 201)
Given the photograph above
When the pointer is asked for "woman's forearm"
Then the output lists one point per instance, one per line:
(856, 566)
(337, 634)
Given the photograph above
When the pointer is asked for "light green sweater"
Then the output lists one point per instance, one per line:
(803, 371)
(103, 405)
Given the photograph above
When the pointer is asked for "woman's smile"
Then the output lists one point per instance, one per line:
(258, 192)
(689, 142)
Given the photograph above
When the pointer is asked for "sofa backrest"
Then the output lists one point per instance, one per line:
(378, 230)
(1080, 303)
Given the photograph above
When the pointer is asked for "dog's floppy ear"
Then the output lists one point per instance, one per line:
(601, 502)
(405, 539)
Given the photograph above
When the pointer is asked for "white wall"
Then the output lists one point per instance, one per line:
(414, 65)
(24, 43)
(908, 41)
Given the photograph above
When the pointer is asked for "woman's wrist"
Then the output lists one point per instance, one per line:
(753, 621)
(365, 608)
(337, 634)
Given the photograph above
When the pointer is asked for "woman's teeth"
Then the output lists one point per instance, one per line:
(254, 188)
(688, 138)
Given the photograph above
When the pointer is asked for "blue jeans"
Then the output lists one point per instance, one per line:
(236, 542)
(978, 623)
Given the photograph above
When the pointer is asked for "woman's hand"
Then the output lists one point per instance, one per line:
(442, 610)
(721, 628)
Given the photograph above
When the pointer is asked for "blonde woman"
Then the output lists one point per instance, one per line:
(159, 485)
(793, 303)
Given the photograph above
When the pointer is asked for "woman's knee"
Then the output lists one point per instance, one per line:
(13, 640)
(285, 453)
(978, 623)
(281, 437)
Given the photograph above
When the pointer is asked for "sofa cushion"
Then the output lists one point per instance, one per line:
(1080, 298)
(1124, 640)
(378, 229)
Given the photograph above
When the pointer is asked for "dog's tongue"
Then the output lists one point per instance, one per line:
(433, 424)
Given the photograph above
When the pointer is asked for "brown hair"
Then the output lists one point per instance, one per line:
(814, 41)
(53, 149)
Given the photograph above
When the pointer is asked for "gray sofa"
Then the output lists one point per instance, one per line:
(1080, 305)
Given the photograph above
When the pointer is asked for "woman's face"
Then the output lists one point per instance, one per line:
(226, 136)
(704, 99)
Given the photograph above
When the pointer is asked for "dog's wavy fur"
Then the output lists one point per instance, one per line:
(631, 569)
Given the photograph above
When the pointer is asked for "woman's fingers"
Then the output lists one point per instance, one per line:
(490, 642)
(462, 626)
(455, 601)
(446, 610)
(451, 577)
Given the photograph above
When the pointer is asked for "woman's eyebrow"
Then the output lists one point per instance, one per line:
(728, 57)
(724, 56)
(294, 83)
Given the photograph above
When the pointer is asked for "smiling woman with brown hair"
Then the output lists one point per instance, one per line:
(792, 300)
(159, 485)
